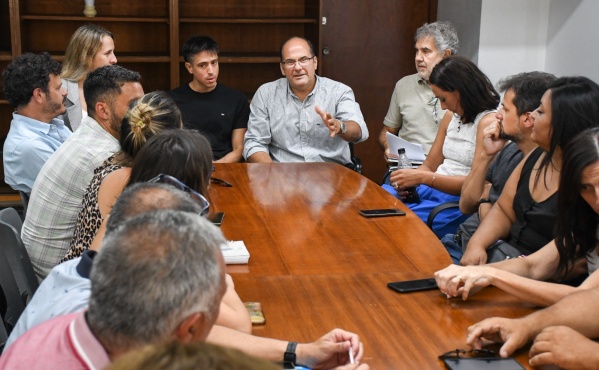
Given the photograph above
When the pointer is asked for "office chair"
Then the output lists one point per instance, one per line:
(355, 161)
(14, 302)
(25, 201)
(3, 338)
(438, 209)
(16, 254)
(11, 217)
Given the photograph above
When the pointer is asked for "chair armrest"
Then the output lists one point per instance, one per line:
(438, 209)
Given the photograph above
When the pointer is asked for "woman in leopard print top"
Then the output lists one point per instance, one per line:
(151, 114)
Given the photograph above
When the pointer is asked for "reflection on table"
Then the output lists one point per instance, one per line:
(316, 264)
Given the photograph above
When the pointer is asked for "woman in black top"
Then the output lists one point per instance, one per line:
(524, 215)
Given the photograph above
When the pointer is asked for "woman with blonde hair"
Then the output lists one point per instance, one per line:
(89, 48)
(151, 114)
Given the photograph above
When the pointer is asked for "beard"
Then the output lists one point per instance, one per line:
(56, 108)
(115, 123)
(515, 137)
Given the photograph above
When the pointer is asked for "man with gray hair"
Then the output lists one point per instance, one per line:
(159, 275)
(414, 112)
(67, 288)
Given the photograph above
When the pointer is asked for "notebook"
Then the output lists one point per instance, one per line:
(235, 252)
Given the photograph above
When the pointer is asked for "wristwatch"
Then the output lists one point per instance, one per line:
(482, 200)
(343, 127)
(289, 355)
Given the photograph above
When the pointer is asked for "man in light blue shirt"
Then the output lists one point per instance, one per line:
(303, 117)
(33, 87)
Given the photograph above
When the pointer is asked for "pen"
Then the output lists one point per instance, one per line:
(351, 356)
(221, 182)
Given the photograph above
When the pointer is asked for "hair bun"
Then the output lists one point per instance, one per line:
(140, 117)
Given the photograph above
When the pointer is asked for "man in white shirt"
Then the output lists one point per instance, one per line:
(58, 191)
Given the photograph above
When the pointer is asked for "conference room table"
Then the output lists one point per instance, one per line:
(317, 264)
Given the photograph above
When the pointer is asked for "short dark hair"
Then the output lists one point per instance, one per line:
(27, 73)
(576, 223)
(310, 45)
(528, 88)
(477, 94)
(104, 84)
(196, 45)
(148, 196)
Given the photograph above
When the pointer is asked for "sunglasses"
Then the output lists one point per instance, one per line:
(199, 198)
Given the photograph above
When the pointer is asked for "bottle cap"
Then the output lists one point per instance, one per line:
(401, 151)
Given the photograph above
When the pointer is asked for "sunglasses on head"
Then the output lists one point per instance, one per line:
(199, 198)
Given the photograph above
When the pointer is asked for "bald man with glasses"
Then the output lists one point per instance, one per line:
(303, 117)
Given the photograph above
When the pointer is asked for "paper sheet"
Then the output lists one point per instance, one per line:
(413, 151)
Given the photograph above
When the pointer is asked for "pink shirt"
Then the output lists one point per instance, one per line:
(65, 342)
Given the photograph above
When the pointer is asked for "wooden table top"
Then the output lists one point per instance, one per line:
(316, 264)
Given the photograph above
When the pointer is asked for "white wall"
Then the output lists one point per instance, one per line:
(513, 37)
(573, 38)
(465, 16)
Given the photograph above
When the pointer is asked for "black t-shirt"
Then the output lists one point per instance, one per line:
(215, 114)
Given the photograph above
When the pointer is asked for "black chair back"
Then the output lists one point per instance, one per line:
(14, 302)
(16, 254)
(25, 201)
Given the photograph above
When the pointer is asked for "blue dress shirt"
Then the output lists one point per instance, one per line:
(28, 146)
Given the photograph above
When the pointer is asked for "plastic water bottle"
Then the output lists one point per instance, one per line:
(404, 162)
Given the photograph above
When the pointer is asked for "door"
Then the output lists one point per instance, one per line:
(369, 46)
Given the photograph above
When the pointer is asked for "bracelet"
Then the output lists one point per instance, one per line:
(481, 201)
(289, 355)
(433, 181)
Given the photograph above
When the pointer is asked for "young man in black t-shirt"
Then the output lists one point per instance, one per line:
(218, 112)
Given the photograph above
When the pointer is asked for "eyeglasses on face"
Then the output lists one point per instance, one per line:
(473, 353)
(433, 103)
(199, 198)
(290, 63)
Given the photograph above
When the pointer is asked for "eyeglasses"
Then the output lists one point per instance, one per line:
(290, 63)
(482, 354)
(199, 198)
(433, 103)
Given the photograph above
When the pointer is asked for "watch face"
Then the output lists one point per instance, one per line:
(343, 128)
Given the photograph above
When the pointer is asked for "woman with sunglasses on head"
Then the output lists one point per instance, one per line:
(152, 113)
(183, 159)
(471, 102)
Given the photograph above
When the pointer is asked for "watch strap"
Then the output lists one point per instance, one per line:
(343, 127)
(289, 355)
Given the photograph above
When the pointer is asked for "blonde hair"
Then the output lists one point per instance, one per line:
(85, 43)
(152, 113)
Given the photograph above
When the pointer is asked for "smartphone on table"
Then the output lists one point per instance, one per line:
(417, 285)
(386, 212)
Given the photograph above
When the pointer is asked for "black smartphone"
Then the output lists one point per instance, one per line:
(382, 212)
(413, 285)
(217, 218)
(482, 363)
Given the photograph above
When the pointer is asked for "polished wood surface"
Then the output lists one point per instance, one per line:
(316, 264)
